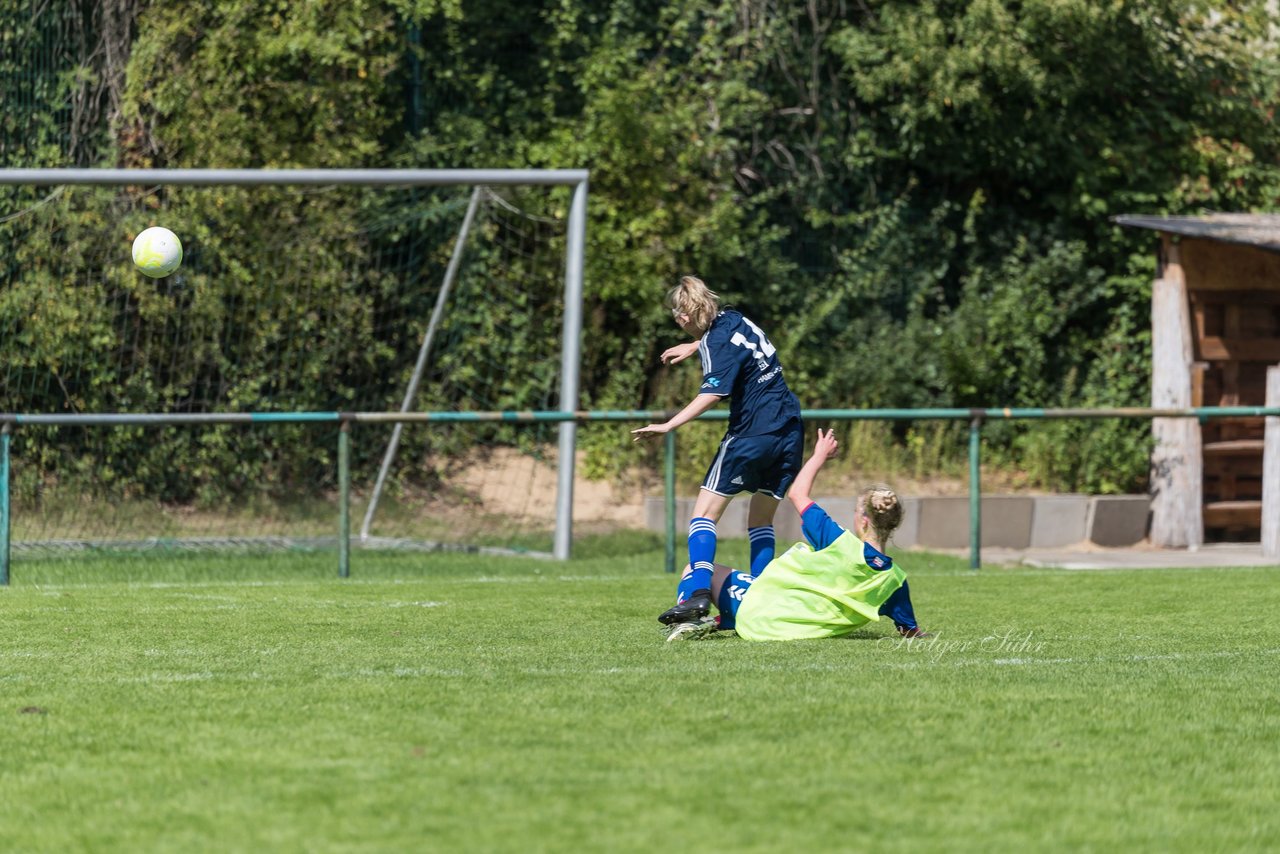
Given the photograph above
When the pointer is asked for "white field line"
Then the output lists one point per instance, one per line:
(489, 673)
(536, 578)
(1092, 660)
(539, 577)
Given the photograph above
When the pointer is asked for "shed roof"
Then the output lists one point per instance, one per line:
(1260, 230)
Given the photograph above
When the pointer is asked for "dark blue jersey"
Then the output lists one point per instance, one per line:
(739, 362)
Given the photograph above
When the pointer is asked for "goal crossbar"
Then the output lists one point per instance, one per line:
(285, 177)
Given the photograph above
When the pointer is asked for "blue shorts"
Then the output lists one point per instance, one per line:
(730, 598)
(767, 463)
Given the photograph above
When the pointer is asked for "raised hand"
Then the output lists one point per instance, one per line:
(825, 447)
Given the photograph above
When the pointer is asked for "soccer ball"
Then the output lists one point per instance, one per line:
(157, 252)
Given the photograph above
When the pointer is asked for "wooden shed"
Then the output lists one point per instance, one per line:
(1215, 315)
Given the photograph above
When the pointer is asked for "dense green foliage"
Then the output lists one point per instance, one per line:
(912, 198)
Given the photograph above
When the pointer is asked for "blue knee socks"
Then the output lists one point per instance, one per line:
(702, 557)
(762, 547)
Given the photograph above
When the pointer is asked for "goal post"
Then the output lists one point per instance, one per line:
(573, 237)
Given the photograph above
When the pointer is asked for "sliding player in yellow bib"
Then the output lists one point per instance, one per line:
(831, 585)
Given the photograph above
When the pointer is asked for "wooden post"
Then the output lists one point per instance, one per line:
(1271, 471)
(1177, 468)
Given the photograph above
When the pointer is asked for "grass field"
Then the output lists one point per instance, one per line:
(451, 703)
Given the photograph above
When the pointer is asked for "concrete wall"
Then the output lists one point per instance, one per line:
(1008, 521)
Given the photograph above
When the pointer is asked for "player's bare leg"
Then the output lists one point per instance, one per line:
(710, 505)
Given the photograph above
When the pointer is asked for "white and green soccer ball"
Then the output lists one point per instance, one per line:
(157, 252)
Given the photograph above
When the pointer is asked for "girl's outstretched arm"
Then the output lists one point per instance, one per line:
(801, 490)
(696, 407)
(678, 353)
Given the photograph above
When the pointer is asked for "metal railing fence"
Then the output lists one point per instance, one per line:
(9, 422)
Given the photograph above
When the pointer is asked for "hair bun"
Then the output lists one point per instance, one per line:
(882, 506)
(883, 501)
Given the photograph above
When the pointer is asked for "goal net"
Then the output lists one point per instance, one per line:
(311, 298)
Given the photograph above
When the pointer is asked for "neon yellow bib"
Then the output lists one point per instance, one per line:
(804, 593)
